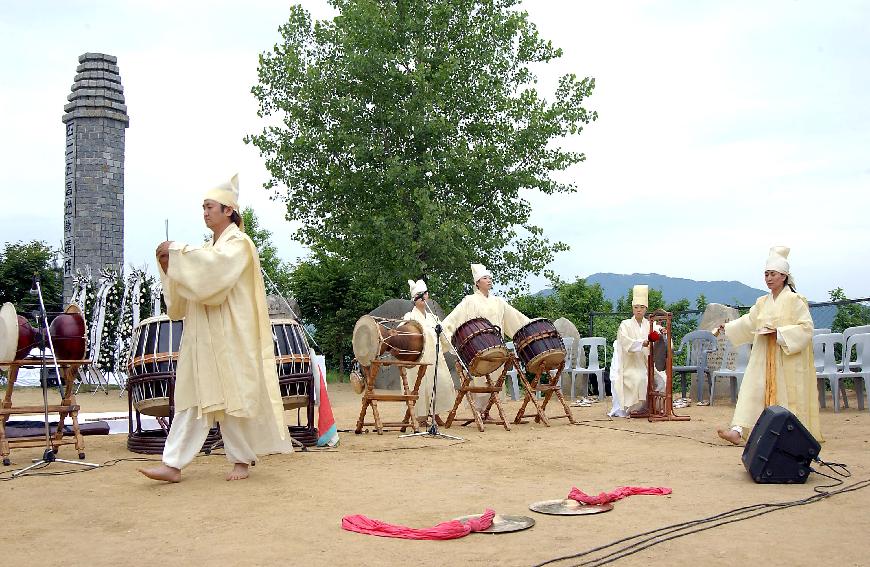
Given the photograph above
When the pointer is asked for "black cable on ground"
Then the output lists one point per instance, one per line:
(588, 423)
(674, 531)
(7, 475)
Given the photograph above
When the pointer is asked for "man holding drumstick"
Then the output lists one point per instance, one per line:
(226, 367)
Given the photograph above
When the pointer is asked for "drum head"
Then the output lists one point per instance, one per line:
(502, 524)
(568, 507)
(488, 360)
(549, 360)
(366, 340)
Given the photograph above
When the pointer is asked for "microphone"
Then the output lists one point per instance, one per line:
(34, 287)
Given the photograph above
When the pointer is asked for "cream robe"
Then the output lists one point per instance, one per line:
(631, 382)
(796, 389)
(446, 392)
(497, 311)
(226, 364)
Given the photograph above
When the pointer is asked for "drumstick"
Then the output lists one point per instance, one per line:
(167, 229)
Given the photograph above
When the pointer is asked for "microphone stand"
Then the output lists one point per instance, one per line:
(48, 456)
(432, 431)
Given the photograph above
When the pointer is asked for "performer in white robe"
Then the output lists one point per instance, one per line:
(629, 367)
(492, 308)
(445, 392)
(226, 366)
(781, 369)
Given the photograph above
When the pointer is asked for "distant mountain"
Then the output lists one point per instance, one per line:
(673, 289)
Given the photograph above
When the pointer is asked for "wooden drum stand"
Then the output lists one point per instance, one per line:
(660, 405)
(67, 407)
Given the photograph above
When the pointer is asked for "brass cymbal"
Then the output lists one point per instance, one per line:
(502, 524)
(568, 507)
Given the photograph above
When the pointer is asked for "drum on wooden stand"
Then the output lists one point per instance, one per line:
(154, 349)
(539, 346)
(295, 376)
(480, 346)
(374, 337)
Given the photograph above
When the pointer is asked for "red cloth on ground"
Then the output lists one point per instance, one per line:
(614, 495)
(445, 530)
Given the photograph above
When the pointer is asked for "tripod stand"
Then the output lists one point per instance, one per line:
(432, 430)
(48, 456)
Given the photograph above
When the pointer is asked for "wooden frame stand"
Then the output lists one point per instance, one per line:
(67, 407)
(467, 388)
(553, 386)
(408, 397)
(660, 405)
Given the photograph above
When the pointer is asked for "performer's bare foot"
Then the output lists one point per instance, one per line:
(731, 436)
(163, 472)
(239, 472)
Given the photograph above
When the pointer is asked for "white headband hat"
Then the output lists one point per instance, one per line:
(640, 295)
(417, 287)
(777, 260)
(478, 271)
(226, 193)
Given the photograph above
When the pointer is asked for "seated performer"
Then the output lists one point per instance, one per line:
(629, 366)
(445, 393)
(780, 370)
(226, 368)
(492, 308)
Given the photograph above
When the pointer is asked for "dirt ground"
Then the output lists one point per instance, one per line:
(290, 510)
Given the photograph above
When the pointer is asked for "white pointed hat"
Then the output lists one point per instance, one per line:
(478, 271)
(417, 287)
(640, 295)
(778, 259)
(8, 332)
(226, 193)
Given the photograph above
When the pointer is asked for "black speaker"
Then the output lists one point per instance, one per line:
(780, 449)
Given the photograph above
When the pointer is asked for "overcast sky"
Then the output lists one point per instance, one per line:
(724, 128)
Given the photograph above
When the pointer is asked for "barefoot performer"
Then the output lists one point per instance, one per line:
(226, 367)
(781, 370)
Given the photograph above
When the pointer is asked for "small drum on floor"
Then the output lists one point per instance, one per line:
(539, 346)
(374, 337)
(151, 369)
(480, 346)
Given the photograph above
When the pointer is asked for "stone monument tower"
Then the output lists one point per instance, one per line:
(93, 218)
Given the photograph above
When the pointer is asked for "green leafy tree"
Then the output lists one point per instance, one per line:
(573, 301)
(332, 298)
(848, 314)
(19, 261)
(278, 271)
(411, 134)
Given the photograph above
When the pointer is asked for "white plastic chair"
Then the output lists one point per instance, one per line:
(511, 380)
(592, 365)
(741, 361)
(821, 331)
(569, 360)
(697, 344)
(827, 366)
(847, 354)
(859, 369)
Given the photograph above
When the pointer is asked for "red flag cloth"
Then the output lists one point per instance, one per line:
(614, 495)
(445, 530)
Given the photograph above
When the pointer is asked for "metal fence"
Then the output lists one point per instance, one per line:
(852, 312)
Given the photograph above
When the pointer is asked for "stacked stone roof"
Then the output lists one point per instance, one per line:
(97, 90)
